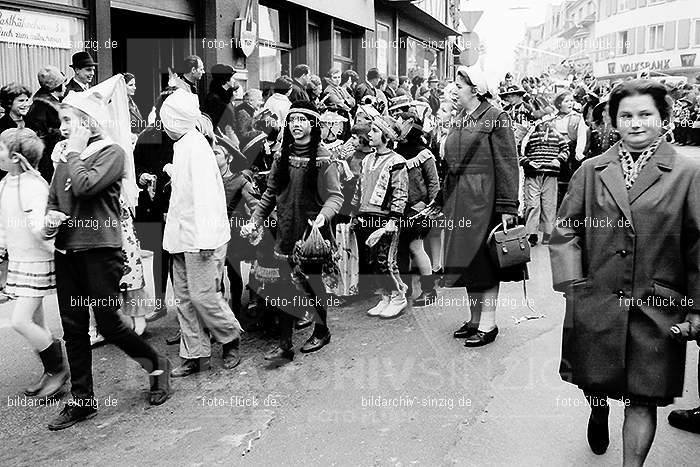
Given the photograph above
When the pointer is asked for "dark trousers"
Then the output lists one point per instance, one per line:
(91, 278)
(233, 267)
(310, 296)
(150, 235)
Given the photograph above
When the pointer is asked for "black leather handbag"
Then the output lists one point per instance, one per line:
(509, 248)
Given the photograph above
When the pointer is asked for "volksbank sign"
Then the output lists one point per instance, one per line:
(658, 65)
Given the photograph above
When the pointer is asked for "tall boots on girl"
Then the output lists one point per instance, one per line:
(55, 372)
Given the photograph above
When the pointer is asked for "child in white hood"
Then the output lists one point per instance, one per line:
(196, 234)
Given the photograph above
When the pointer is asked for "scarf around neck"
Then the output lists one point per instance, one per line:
(631, 168)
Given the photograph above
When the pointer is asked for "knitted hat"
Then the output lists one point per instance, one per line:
(50, 78)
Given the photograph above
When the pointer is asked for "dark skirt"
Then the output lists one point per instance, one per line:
(632, 399)
(483, 272)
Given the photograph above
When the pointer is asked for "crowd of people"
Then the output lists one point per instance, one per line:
(345, 190)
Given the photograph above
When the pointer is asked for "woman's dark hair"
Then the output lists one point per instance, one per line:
(349, 75)
(10, 92)
(311, 176)
(128, 77)
(362, 132)
(640, 87)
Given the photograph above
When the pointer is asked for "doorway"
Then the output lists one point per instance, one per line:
(148, 46)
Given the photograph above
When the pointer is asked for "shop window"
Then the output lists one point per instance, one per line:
(382, 46)
(274, 49)
(342, 49)
(23, 61)
(655, 37)
(420, 60)
(697, 32)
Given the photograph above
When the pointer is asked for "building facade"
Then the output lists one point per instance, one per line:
(662, 36)
(563, 44)
(262, 39)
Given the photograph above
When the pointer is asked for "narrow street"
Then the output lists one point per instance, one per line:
(502, 404)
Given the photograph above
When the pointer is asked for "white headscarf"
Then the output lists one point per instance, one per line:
(108, 103)
(180, 112)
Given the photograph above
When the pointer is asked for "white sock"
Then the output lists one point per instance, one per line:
(487, 321)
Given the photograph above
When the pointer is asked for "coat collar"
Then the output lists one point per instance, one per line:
(479, 112)
(610, 169)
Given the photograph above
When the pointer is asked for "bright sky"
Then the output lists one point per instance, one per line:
(501, 28)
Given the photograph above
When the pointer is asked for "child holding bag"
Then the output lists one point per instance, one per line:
(31, 276)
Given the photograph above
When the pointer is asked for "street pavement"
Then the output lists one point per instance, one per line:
(396, 393)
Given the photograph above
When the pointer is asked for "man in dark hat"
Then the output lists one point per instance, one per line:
(84, 68)
(520, 112)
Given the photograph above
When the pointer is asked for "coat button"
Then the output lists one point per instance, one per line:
(623, 253)
(620, 293)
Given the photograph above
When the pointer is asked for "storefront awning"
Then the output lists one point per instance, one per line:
(359, 12)
(411, 11)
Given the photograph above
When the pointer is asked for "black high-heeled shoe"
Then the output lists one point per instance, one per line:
(481, 338)
(467, 330)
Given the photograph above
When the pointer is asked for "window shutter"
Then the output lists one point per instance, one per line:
(641, 39)
(684, 34)
(631, 33)
(641, 3)
(613, 7)
(670, 35)
(603, 9)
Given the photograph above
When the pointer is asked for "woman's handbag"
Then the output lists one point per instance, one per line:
(509, 248)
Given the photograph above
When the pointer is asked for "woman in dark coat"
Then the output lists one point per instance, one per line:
(481, 191)
(217, 104)
(626, 252)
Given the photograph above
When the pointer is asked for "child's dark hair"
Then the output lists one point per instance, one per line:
(288, 147)
(24, 141)
(362, 132)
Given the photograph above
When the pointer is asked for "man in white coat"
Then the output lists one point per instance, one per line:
(196, 235)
